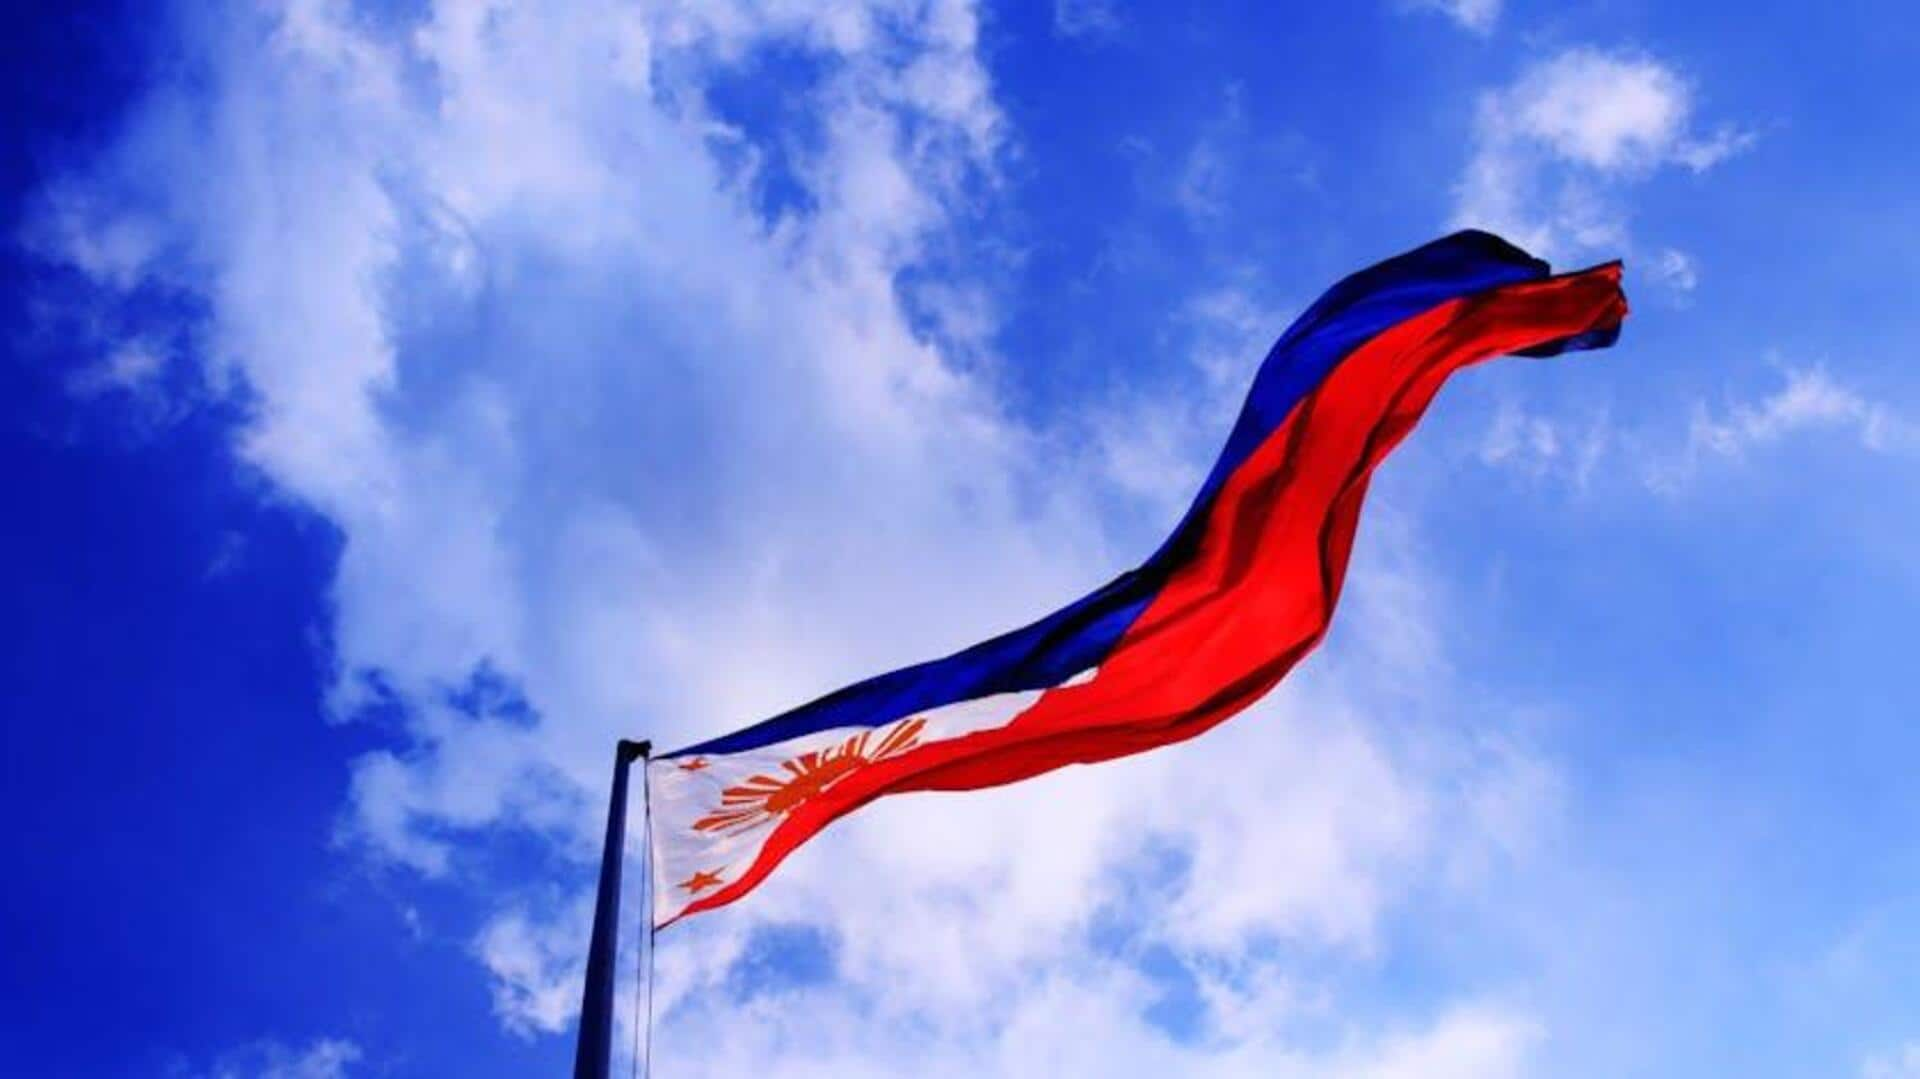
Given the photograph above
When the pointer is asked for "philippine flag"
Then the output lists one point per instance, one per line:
(1238, 594)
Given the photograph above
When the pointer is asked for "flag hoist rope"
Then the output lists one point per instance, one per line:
(593, 1055)
(643, 958)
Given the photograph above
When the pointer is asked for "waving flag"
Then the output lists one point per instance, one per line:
(1240, 592)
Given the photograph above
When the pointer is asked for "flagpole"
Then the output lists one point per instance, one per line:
(593, 1056)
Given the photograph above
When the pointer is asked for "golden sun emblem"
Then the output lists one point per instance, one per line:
(762, 798)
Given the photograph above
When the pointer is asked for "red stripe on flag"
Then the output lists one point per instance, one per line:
(1258, 593)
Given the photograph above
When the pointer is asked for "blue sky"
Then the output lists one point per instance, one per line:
(406, 400)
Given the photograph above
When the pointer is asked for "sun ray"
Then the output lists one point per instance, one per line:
(760, 799)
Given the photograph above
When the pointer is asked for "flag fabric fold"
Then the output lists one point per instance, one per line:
(1242, 589)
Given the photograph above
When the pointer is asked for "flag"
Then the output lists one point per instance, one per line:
(1236, 596)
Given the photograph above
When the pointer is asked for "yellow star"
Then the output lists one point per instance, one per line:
(700, 882)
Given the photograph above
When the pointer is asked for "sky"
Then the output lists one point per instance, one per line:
(403, 401)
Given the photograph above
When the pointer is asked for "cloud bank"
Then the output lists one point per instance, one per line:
(632, 420)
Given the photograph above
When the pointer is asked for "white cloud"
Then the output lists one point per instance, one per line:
(1085, 18)
(1902, 1063)
(1606, 112)
(1475, 15)
(1085, 1022)
(1154, 445)
(1811, 398)
(1554, 150)
(1677, 270)
(1540, 446)
(1809, 401)
(1200, 187)
(131, 367)
(537, 966)
(325, 1058)
(592, 425)
(1208, 181)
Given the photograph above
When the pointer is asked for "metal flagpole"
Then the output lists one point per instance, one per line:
(593, 1056)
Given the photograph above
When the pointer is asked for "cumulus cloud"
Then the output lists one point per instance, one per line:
(1554, 150)
(619, 412)
(537, 966)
